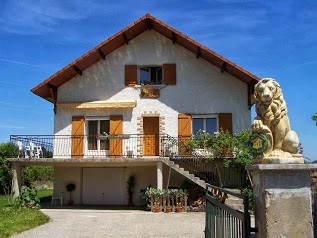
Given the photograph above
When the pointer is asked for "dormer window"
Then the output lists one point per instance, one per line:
(150, 75)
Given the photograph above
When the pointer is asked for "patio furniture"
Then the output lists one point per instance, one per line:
(36, 151)
(21, 149)
(57, 196)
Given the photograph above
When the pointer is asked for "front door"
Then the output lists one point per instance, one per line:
(151, 136)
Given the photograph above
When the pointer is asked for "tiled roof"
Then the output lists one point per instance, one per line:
(123, 37)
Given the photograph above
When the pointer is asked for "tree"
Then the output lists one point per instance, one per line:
(7, 150)
(314, 117)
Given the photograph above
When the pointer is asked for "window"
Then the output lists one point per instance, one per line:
(150, 75)
(204, 122)
(97, 126)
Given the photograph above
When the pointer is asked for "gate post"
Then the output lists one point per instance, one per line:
(283, 204)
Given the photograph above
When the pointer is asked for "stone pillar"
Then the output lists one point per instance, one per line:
(16, 179)
(159, 172)
(283, 203)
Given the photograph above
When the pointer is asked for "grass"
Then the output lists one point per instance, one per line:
(15, 220)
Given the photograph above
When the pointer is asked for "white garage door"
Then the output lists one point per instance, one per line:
(103, 186)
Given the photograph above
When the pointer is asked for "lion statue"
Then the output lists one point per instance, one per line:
(272, 120)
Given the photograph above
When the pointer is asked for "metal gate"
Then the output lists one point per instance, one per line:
(223, 221)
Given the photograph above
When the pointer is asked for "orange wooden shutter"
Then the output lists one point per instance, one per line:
(116, 128)
(78, 137)
(184, 132)
(169, 71)
(225, 122)
(131, 75)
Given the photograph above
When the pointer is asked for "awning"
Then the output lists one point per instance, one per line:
(96, 104)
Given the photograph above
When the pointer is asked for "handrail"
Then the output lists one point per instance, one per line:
(192, 161)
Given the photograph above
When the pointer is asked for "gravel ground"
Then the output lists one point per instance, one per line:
(118, 223)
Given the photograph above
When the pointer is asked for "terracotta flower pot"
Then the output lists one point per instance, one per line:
(156, 209)
(168, 210)
(178, 209)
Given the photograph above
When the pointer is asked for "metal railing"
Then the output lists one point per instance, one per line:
(223, 221)
(67, 146)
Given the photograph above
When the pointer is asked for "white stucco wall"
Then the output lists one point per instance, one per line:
(67, 175)
(200, 87)
(145, 176)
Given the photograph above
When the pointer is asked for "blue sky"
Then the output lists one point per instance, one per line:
(276, 39)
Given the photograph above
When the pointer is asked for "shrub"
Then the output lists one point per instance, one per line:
(28, 199)
(38, 175)
(233, 149)
(7, 150)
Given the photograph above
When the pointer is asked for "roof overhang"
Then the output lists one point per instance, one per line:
(147, 22)
(97, 104)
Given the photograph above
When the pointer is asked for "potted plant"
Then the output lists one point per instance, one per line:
(168, 209)
(147, 197)
(179, 200)
(156, 206)
(130, 187)
(70, 187)
(143, 92)
(179, 207)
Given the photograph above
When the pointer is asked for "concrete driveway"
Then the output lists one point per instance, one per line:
(118, 223)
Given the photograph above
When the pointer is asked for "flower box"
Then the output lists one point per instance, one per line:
(112, 137)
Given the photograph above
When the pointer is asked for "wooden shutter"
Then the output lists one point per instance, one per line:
(184, 133)
(131, 75)
(77, 149)
(169, 72)
(116, 128)
(225, 121)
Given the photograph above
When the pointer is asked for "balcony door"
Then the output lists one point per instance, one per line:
(151, 136)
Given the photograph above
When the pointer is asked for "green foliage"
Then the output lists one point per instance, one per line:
(41, 174)
(7, 150)
(14, 220)
(247, 191)
(130, 187)
(314, 117)
(28, 199)
(241, 151)
(234, 149)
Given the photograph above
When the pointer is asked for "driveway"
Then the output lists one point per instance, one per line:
(118, 223)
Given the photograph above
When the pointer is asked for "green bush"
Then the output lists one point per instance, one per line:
(41, 174)
(233, 149)
(28, 199)
(7, 150)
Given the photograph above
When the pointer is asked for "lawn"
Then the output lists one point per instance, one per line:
(15, 220)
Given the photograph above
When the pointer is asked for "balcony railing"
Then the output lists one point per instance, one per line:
(128, 146)
(67, 146)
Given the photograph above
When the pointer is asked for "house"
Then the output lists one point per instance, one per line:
(114, 105)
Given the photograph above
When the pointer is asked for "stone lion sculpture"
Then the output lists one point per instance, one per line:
(272, 120)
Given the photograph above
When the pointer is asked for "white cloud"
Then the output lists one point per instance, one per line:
(35, 17)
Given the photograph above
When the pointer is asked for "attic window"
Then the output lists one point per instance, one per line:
(150, 75)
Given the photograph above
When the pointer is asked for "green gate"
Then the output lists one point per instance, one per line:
(223, 221)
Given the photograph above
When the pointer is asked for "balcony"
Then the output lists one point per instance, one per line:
(97, 147)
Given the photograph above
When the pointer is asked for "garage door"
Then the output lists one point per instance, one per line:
(103, 186)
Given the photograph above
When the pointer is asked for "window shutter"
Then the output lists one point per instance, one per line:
(169, 71)
(131, 75)
(77, 149)
(116, 128)
(225, 121)
(184, 132)
(184, 125)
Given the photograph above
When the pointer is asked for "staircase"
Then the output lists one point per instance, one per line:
(191, 164)
(196, 168)
(185, 173)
